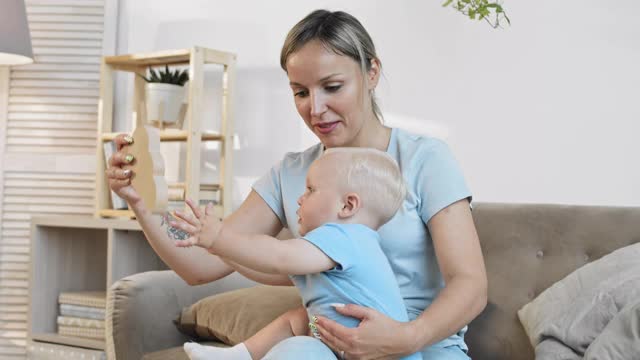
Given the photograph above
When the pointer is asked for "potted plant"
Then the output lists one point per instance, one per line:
(164, 93)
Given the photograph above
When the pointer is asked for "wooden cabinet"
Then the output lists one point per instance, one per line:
(80, 253)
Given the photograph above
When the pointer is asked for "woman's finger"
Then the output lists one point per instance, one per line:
(122, 140)
(335, 329)
(118, 174)
(208, 210)
(187, 217)
(335, 343)
(194, 208)
(116, 184)
(120, 158)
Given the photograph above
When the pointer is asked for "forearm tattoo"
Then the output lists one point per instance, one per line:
(172, 232)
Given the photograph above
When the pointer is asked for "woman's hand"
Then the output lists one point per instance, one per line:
(203, 229)
(377, 337)
(120, 179)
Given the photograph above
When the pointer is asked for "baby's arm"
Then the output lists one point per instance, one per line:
(262, 253)
(269, 255)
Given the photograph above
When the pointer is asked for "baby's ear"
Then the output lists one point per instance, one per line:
(350, 205)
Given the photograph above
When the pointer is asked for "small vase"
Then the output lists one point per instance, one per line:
(164, 102)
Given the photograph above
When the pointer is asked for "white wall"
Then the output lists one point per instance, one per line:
(543, 111)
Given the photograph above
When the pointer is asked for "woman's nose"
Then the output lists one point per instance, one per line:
(318, 104)
(300, 201)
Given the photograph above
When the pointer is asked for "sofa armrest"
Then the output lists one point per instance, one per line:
(141, 309)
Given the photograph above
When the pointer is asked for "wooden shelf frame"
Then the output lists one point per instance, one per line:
(193, 135)
(80, 253)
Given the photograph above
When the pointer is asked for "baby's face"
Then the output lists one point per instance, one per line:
(321, 200)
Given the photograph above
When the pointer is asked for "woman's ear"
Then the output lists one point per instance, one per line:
(351, 203)
(373, 75)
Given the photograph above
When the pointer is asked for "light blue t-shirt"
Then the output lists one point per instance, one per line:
(362, 276)
(434, 181)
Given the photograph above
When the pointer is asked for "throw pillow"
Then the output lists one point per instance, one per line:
(234, 316)
(602, 275)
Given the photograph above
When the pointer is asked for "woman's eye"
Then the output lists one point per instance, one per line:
(309, 189)
(333, 88)
(301, 93)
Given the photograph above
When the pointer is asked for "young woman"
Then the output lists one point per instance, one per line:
(431, 243)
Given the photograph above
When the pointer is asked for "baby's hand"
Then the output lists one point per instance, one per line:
(203, 229)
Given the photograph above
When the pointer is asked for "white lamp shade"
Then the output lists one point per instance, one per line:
(15, 40)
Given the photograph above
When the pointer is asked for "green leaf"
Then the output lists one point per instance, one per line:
(447, 3)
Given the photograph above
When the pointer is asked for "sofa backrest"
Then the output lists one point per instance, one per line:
(527, 248)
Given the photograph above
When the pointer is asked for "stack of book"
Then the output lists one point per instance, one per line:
(82, 314)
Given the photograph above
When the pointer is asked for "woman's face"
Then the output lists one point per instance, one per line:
(330, 94)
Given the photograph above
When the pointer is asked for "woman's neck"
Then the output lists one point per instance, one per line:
(373, 135)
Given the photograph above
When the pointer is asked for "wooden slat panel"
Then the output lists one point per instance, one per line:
(19, 116)
(49, 149)
(52, 184)
(67, 51)
(53, 59)
(55, 92)
(80, 10)
(14, 241)
(13, 249)
(37, 108)
(50, 201)
(13, 292)
(66, 19)
(59, 133)
(53, 100)
(52, 26)
(75, 3)
(78, 125)
(35, 193)
(45, 209)
(77, 143)
(12, 325)
(52, 109)
(68, 43)
(55, 75)
(71, 84)
(91, 35)
(16, 316)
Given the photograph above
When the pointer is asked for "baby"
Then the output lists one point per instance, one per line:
(350, 193)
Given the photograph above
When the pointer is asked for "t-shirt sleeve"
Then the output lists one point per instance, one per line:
(336, 244)
(269, 187)
(440, 181)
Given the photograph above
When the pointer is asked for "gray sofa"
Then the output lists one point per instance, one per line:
(527, 247)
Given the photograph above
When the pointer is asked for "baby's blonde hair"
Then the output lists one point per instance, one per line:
(374, 175)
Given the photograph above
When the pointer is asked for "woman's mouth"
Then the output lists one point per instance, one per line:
(326, 128)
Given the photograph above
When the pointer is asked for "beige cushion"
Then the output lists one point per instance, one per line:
(560, 299)
(234, 316)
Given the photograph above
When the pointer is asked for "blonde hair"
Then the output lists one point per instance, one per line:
(338, 32)
(374, 175)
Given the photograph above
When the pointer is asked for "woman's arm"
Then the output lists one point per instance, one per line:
(267, 279)
(462, 265)
(194, 265)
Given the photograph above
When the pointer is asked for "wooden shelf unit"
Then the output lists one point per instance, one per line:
(80, 253)
(192, 135)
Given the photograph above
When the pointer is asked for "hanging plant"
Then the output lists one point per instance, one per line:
(491, 12)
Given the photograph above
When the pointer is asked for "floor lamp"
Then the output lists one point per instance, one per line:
(15, 40)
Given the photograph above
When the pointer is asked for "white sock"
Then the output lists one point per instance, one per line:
(196, 351)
